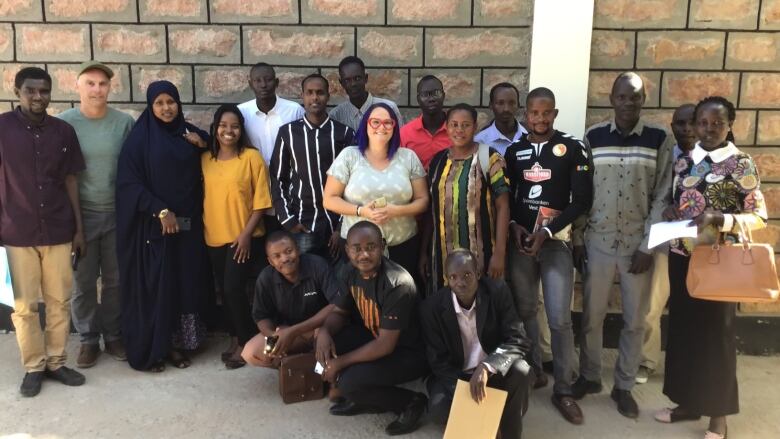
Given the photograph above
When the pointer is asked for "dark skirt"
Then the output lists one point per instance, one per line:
(701, 352)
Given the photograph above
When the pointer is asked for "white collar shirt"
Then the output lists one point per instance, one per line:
(263, 127)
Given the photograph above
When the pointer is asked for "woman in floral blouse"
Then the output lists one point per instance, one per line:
(716, 186)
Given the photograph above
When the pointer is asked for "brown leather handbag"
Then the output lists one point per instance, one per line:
(297, 379)
(741, 272)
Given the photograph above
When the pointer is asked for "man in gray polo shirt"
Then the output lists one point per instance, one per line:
(353, 78)
(101, 131)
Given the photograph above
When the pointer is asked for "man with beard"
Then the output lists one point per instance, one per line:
(40, 226)
(684, 134)
(632, 175)
(505, 129)
(427, 134)
(370, 343)
(550, 187)
(303, 153)
(293, 296)
(353, 78)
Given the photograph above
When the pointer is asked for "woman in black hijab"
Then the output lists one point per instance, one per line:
(162, 255)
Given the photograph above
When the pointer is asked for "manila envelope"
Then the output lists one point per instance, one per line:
(469, 420)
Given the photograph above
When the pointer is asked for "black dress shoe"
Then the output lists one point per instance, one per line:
(66, 376)
(626, 404)
(409, 419)
(349, 408)
(31, 384)
(582, 387)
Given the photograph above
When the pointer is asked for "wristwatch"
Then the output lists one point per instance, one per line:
(163, 213)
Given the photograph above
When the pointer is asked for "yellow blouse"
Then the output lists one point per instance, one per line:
(232, 190)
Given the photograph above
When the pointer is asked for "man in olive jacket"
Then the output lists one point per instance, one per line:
(472, 332)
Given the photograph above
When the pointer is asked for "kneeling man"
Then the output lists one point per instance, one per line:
(472, 332)
(293, 296)
(370, 343)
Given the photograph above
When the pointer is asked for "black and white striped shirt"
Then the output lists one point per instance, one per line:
(302, 155)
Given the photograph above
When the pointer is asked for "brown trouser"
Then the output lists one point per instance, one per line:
(37, 272)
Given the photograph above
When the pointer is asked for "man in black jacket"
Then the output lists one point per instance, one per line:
(472, 332)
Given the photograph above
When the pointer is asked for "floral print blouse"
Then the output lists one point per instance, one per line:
(724, 179)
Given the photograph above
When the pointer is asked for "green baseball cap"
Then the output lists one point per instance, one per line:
(94, 65)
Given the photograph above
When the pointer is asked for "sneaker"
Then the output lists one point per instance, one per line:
(582, 387)
(31, 384)
(116, 349)
(88, 355)
(643, 374)
(626, 404)
(66, 376)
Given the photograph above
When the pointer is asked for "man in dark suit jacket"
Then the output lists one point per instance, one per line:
(472, 332)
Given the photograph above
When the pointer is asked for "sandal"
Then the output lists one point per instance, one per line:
(672, 415)
(178, 360)
(235, 361)
(710, 435)
(157, 367)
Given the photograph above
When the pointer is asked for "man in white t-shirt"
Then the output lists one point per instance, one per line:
(263, 116)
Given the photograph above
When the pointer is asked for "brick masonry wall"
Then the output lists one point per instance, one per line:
(206, 46)
(688, 49)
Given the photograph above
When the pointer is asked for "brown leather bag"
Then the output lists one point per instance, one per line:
(297, 379)
(742, 272)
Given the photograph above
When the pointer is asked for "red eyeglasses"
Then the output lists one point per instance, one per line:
(375, 123)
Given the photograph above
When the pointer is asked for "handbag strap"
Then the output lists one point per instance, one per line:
(745, 234)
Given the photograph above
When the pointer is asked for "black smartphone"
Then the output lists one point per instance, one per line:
(270, 343)
(185, 223)
(74, 259)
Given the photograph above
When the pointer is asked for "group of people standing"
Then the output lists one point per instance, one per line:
(392, 251)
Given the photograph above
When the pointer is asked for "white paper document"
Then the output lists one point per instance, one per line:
(666, 231)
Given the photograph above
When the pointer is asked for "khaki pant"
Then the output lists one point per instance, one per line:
(37, 272)
(659, 294)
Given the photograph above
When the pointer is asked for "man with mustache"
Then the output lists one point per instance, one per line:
(427, 134)
(370, 343)
(632, 174)
(292, 298)
(353, 78)
(304, 151)
(40, 226)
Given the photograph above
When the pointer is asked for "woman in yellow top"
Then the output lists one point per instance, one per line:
(237, 191)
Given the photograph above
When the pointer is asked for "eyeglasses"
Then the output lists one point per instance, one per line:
(436, 94)
(368, 248)
(375, 123)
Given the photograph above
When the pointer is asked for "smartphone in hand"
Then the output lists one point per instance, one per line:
(74, 259)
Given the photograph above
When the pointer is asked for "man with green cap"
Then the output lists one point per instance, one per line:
(101, 131)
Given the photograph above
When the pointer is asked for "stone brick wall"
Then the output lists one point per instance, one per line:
(206, 46)
(689, 49)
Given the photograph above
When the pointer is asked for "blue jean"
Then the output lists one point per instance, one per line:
(552, 266)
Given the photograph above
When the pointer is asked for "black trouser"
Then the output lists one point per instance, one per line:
(231, 278)
(374, 383)
(515, 383)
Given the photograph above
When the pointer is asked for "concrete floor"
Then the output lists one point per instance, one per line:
(208, 401)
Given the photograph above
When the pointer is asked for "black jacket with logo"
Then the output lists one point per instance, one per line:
(551, 183)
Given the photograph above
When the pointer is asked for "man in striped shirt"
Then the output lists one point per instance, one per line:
(303, 152)
(631, 176)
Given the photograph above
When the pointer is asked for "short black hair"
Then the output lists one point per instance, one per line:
(540, 92)
(463, 107)
(501, 85)
(429, 78)
(279, 235)
(461, 253)
(262, 65)
(351, 60)
(315, 76)
(30, 73)
(365, 225)
(731, 111)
